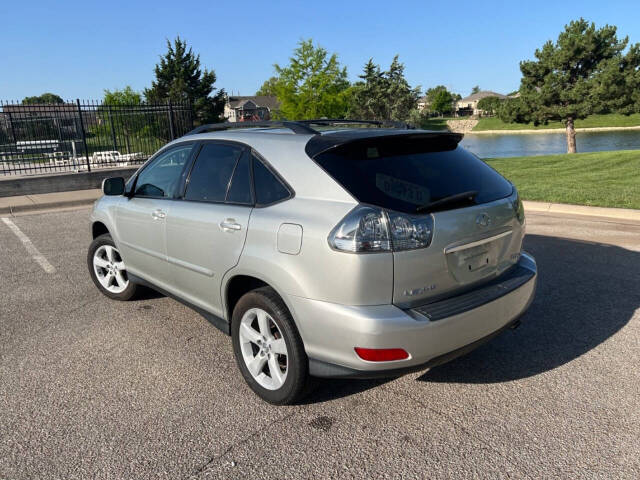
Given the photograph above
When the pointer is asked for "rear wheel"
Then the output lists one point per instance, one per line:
(268, 348)
(107, 269)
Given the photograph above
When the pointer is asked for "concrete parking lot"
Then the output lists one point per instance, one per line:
(92, 388)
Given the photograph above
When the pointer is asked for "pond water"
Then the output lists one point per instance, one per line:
(516, 145)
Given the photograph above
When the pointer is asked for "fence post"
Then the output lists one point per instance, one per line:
(113, 131)
(13, 132)
(84, 136)
(171, 130)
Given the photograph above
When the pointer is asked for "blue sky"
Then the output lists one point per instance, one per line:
(79, 48)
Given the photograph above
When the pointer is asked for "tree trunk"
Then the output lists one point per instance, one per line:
(571, 136)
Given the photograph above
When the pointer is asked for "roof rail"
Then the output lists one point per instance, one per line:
(340, 121)
(295, 127)
(298, 126)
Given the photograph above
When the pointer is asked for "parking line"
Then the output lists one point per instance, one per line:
(31, 249)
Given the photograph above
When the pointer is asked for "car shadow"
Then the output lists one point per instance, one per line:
(586, 293)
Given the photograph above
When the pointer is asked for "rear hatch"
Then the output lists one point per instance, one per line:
(475, 238)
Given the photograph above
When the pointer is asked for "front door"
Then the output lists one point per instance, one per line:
(206, 229)
(141, 219)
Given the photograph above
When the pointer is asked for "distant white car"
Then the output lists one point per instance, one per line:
(343, 252)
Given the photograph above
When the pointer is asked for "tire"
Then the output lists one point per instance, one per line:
(107, 269)
(289, 386)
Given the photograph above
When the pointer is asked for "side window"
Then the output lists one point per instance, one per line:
(267, 186)
(161, 177)
(240, 189)
(211, 173)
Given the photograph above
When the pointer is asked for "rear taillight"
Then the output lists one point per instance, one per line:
(372, 229)
(381, 354)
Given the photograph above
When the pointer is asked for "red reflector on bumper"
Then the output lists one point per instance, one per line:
(381, 354)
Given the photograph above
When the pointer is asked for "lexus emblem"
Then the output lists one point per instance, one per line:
(483, 220)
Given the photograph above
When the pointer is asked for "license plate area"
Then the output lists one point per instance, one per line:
(474, 261)
(476, 257)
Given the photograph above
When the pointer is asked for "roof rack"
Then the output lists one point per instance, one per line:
(298, 127)
(339, 121)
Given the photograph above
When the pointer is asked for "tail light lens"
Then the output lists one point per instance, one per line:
(371, 229)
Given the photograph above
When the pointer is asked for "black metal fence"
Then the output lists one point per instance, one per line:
(82, 136)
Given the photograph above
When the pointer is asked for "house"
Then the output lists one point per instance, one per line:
(251, 108)
(422, 104)
(469, 105)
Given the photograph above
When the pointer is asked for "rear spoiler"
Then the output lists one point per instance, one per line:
(333, 140)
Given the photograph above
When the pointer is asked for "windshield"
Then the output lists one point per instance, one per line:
(404, 175)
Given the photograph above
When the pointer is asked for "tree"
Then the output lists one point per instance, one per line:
(268, 87)
(489, 105)
(126, 96)
(312, 85)
(440, 99)
(180, 78)
(513, 110)
(442, 102)
(383, 95)
(582, 73)
(44, 98)
(475, 89)
(116, 115)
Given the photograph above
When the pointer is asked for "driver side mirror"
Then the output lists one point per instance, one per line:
(113, 186)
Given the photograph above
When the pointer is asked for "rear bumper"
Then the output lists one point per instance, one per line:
(431, 335)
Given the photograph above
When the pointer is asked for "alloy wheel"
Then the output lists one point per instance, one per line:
(109, 269)
(263, 349)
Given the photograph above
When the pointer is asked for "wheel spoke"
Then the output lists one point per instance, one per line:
(100, 262)
(249, 333)
(256, 365)
(278, 346)
(109, 250)
(120, 280)
(263, 323)
(274, 369)
(105, 280)
(119, 266)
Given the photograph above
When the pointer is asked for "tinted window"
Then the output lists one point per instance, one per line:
(161, 177)
(240, 189)
(267, 186)
(211, 172)
(402, 174)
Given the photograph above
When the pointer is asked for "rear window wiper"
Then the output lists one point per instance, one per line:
(451, 199)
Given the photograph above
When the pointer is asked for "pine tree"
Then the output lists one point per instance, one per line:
(180, 78)
(582, 73)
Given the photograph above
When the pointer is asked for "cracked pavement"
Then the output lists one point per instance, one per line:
(93, 388)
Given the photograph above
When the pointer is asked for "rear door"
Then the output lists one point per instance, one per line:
(474, 238)
(206, 228)
(140, 219)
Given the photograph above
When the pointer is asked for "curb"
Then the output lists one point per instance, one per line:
(600, 212)
(48, 201)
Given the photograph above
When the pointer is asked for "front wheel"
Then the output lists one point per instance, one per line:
(268, 348)
(107, 269)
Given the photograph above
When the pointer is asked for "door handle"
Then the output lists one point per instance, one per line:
(158, 214)
(230, 225)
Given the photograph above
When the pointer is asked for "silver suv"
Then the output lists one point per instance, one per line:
(322, 249)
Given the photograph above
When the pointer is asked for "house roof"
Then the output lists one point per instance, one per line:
(267, 101)
(483, 94)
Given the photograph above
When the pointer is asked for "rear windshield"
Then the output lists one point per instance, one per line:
(401, 174)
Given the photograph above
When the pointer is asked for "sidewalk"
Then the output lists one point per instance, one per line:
(48, 201)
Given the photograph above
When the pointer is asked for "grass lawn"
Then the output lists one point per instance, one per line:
(436, 123)
(603, 179)
(608, 120)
